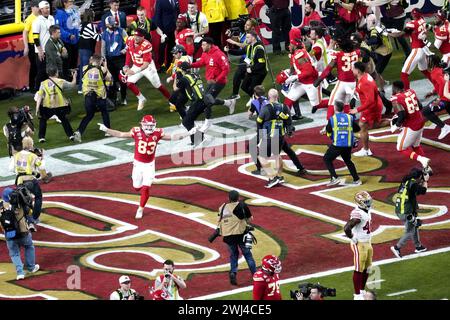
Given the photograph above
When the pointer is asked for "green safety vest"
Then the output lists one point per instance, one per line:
(402, 203)
(251, 53)
(195, 92)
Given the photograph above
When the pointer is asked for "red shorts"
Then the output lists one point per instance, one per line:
(370, 117)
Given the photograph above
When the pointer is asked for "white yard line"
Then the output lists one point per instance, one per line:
(401, 292)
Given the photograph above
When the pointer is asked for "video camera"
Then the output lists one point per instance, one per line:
(19, 116)
(215, 234)
(22, 197)
(305, 290)
(238, 25)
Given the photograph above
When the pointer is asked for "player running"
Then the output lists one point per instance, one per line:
(358, 230)
(146, 138)
(138, 64)
(442, 36)
(266, 285)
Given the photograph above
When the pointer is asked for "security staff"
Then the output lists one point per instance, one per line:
(233, 222)
(341, 128)
(414, 184)
(28, 167)
(95, 78)
(255, 62)
(54, 103)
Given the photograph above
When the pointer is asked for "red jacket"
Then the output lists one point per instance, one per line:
(314, 16)
(217, 66)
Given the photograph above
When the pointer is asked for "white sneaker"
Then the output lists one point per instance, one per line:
(356, 183)
(206, 125)
(363, 153)
(424, 161)
(139, 213)
(54, 117)
(20, 277)
(107, 134)
(358, 296)
(77, 136)
(232, 105)
(334, 181)
(36, 268)
(249, 103)
(141, 104)
(444, 132)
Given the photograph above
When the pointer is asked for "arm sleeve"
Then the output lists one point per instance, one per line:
(158, 14)
(418, 189)
(401, 117)
(62, 23)
(370, 99)
(128, 61)
(222, 77)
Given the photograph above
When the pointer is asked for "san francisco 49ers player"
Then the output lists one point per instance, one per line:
(442, 36)
(146, 138)
(345, 86)
(266, 285)
(358, 230)
(138, 64)
(409, 118)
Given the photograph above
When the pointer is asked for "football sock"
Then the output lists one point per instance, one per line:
(410, 153)
(145, 194)
(164, 91)
(288, 102)
(419, 151)
(357, 281)
(405, 80)
(133, 87)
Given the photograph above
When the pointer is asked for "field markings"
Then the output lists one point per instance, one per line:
(324, 273)
(375, 281)
(401, 292)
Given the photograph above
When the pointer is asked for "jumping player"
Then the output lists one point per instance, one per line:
(442, 36)
(146, 138)
(358, 230)
(138, 64)
(266, 285)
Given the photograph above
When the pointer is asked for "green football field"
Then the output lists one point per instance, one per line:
(422, 278)
(127, 116)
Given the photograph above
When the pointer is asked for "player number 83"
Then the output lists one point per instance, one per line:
(142, 147)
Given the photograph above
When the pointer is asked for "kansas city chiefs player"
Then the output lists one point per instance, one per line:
(410, 119)
(442, 36)
(184, 35)
(266, 284)
(138, 64)
(146, 138)
(358, 230)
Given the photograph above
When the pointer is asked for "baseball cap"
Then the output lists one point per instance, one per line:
(124, 279)
(6, 193)
(44, 4)
(110, 21)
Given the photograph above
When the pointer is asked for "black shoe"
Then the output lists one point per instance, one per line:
(314, 109)
(420, 249)
(273, 182)
(297, 117)
(256, 172)
(32, 227)
(233, 280)
(281, 179)
(302, 172)
(396, 251)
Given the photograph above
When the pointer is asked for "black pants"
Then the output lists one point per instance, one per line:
(165, 57)
(195, 110)
(280, 21)
(92, 104)
(214, 90)
(286, 147)
(398, 24)
(47, 113)
(253, 150)
(72, 59)
(41, 72)
(239, 75)
(346, 153)
(115, 64)
(430, 111)
(179, 99)
(33, 68)
(251, 81)
(37, 192)
(382, 62)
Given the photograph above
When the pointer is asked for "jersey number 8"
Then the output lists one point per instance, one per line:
(142, 147)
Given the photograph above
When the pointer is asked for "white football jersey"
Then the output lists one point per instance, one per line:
(362, 230)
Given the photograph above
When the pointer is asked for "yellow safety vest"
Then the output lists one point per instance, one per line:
(26, 164)
(52, 95)
(93, 81)
(251, 50)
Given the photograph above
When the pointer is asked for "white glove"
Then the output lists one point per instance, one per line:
(426, 176)
(291, 79)
(163, 38)
(192, 131)
(102, 127)
(394, 128)
(249, 70)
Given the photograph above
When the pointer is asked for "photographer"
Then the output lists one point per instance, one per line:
(19, 126)
(125, 292)
(233, 225)
(406, 206)
(255, 62)
(95, 77)
(16, 232)
(169, 282)
(28, 166)
(309, 292)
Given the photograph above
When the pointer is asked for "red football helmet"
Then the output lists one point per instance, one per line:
(295, 37)
(271, 264)
(159, 295)
(416, 14)
(282, 76)
(148, 124)
(441, 15)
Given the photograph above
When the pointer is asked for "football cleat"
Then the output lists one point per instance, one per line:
(396, 252)
(141, 104)
(139, 213)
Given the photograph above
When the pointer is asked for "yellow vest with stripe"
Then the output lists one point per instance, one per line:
(51, 94)
(323, 62)
(386, 47)
(196, 85)
(230, 224)
(26, 165)
(251, 50)
(93, 81)
(402, 203)
(342, 126)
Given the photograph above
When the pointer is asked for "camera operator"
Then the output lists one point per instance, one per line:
(28, 166)
(17, 235)
(169, 282)
(406, 205)
(19, 126)
(315, 294)
(238, 38)
(125, 292)
(234, 226)
(255, 62)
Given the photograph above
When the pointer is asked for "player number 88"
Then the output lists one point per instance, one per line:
(142, 147)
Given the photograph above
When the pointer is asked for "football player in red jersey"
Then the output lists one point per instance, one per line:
(184, 36)
(146, 138)
(409, 119)
(138, 64)
(266, 285)
(442, 36)
(345, 86)
(371, 106)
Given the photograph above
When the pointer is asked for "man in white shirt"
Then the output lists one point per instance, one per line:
(41, 35)
(169, 282)
(198, 23)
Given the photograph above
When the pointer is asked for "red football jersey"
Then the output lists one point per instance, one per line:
(181, 37)
(408, 100)
(442, 33)
(419, 32)
(138, 54)
(304, 70)
(368, 95)
(437, 79)
(344, 61)
(145, 146)
(266, 287)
